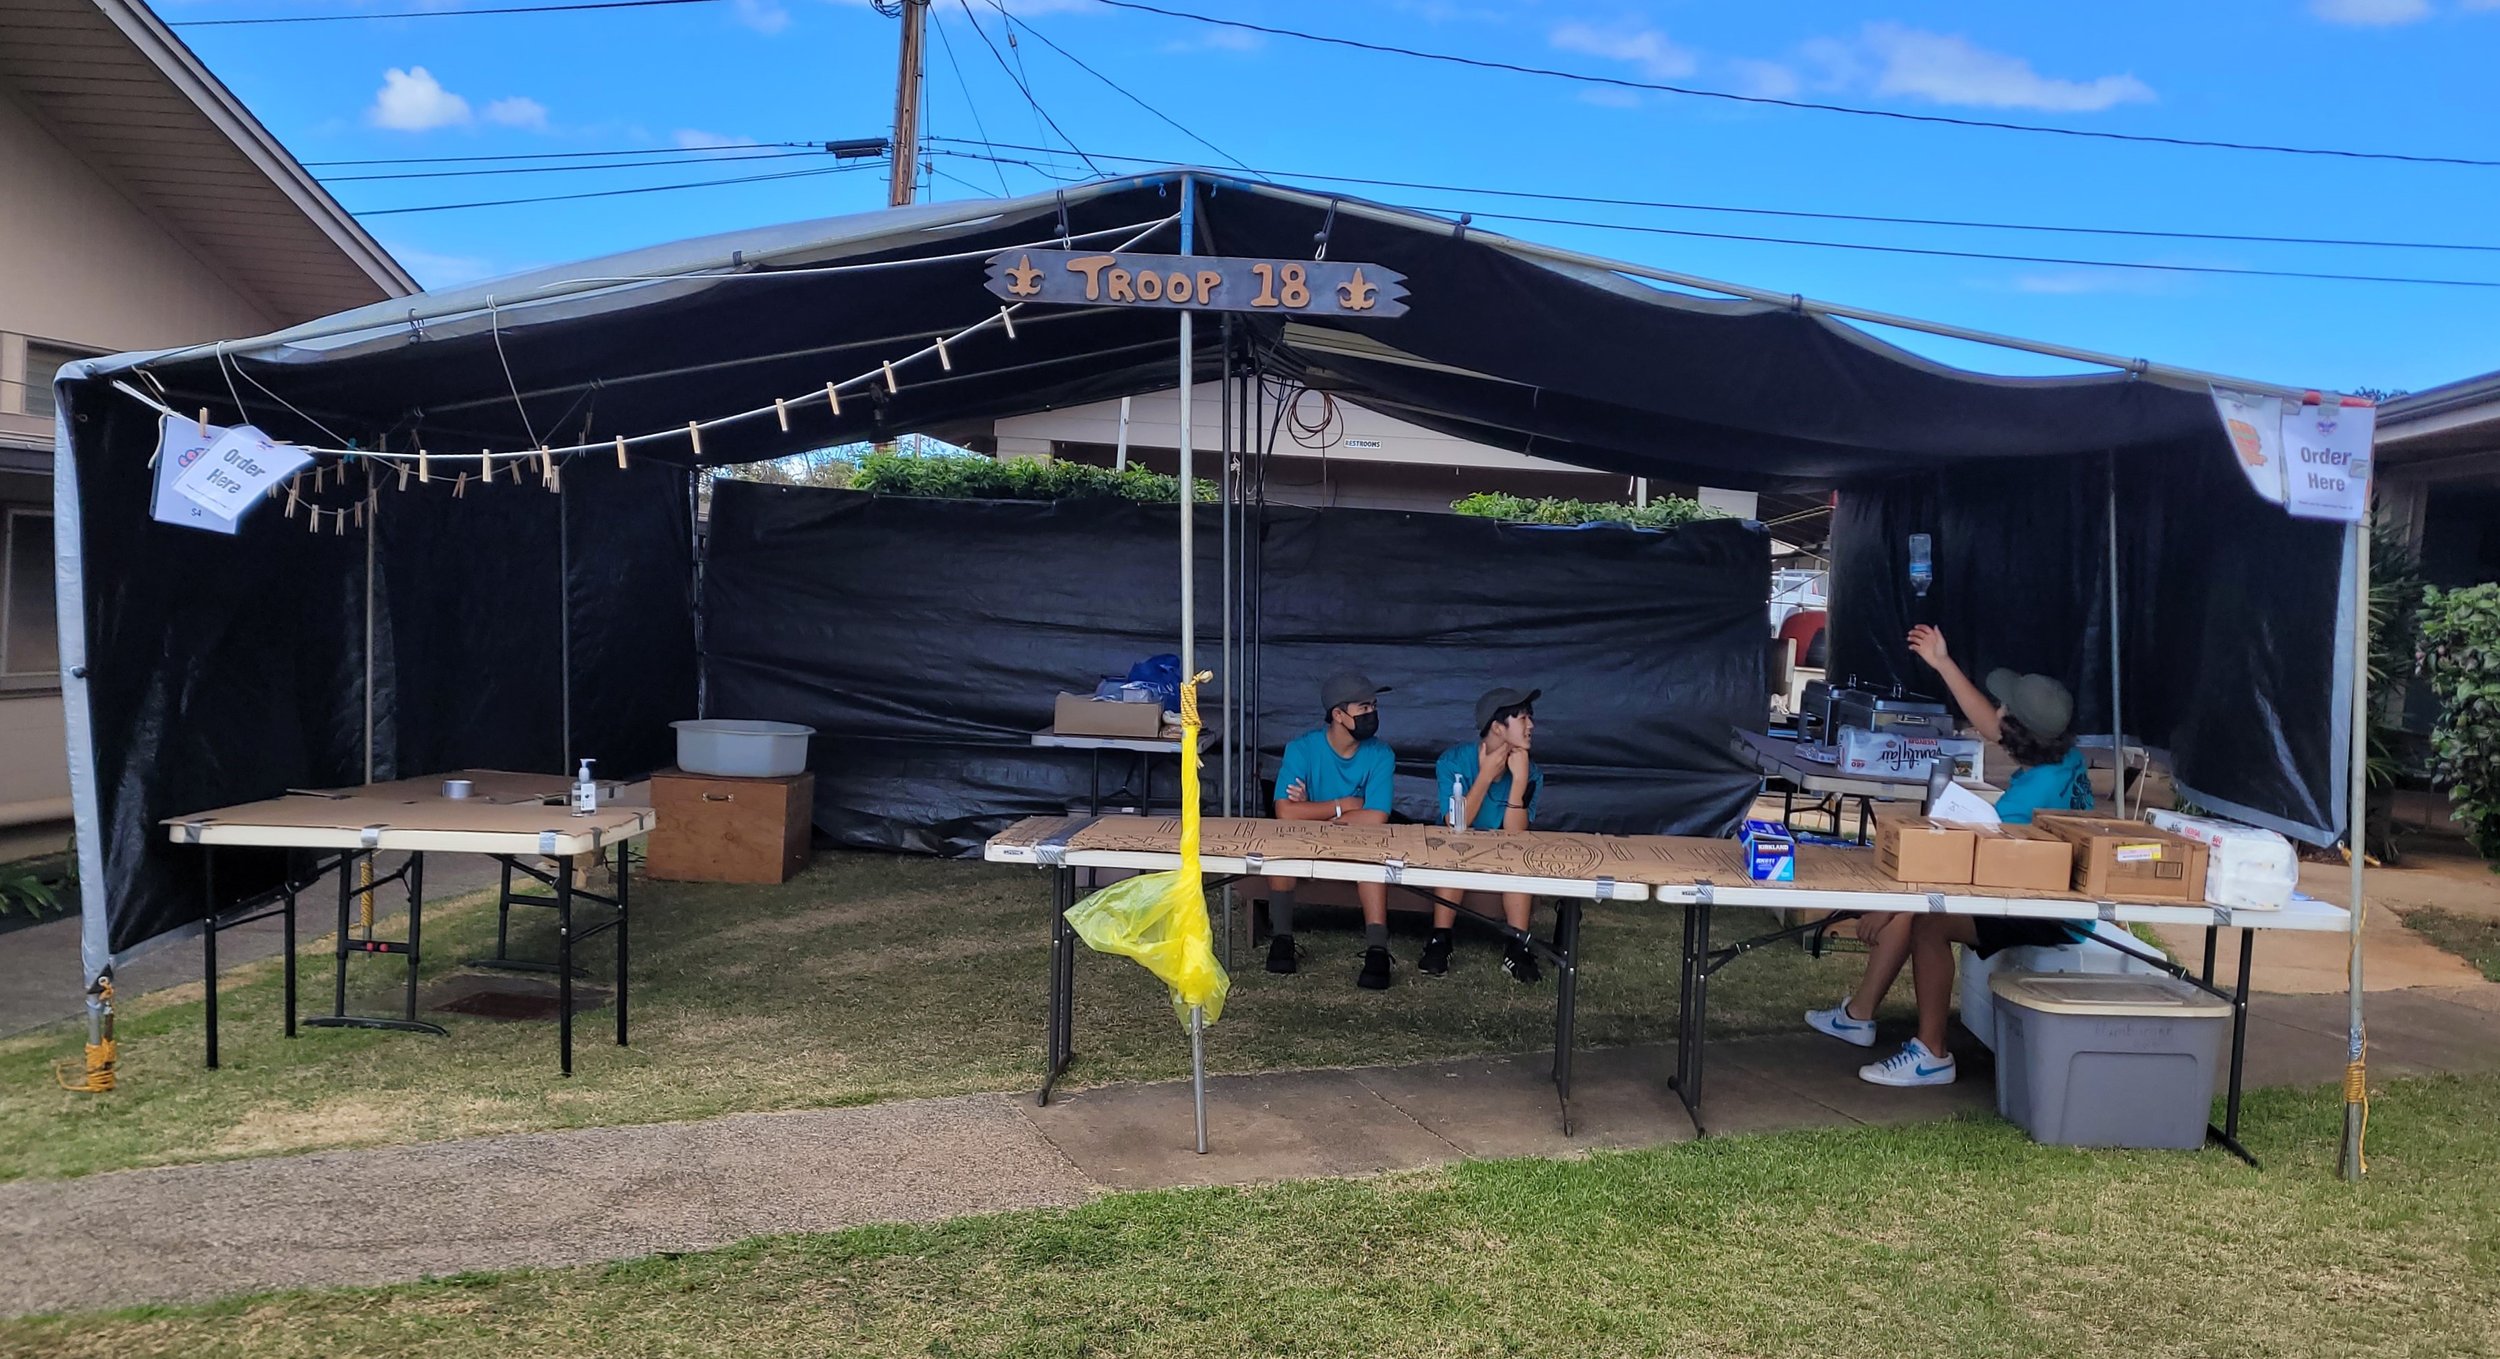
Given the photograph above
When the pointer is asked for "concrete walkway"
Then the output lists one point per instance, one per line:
(191, 1233)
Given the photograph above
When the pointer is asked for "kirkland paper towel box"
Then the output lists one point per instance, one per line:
(2021, 859)
(2129, 859)
(1915, 849)
(1079, 715)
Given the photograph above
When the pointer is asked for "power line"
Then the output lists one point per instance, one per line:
(1027, 26)
(431, 13)
(568, 169)
(618, 193)
(938, 21)
(1696, 92)
(1872, 218)
(1744, 238)
(1025, 89)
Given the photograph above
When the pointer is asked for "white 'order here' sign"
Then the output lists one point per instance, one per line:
(242, 464)
(2311, 458)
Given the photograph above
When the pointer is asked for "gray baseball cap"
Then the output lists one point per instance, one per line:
(1495, 700)
(2037, 701)
(1348, 687)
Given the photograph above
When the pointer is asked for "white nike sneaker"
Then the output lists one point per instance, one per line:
(1836, 1022)
(1912, 1065)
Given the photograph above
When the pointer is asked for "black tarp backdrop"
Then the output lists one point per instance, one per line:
(222, 669)
(2229, 647)
(924, 640)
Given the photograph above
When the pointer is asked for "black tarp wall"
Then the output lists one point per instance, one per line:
(925, 639)
(2231, 625)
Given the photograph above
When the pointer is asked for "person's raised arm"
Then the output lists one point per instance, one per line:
(1928, 642)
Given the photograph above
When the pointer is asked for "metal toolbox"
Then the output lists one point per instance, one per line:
(1901, 713)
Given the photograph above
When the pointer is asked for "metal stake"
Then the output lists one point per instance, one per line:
(1198, 1069)
(2357, 818)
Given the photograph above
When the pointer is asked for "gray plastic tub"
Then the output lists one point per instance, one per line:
(2107, 1060)
(740, 749)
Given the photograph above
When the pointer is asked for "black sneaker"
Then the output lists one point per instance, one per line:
(1282, 956)
(1375, 973)
(1436, 959)
(1521, 964)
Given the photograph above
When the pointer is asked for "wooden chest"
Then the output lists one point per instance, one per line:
(715, 829)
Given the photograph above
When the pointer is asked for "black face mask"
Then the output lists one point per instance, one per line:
(1366, 726)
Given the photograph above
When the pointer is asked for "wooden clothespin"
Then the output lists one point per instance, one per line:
(694, 431)
(1007, 315)
(360, 514)
(945, 360)
(485, 464)
(460, 487)
(555, 479)
(546, 463)
(403, 475)
(294, 493)
(890, 385)
(338, 524)
(781, 411)
(203, 422)
(312, 523)
(515, 465)
(620, 443)
(321, 477)
(833, 398)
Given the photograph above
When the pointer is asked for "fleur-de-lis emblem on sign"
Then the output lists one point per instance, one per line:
(1023, 279)
(1356, 293)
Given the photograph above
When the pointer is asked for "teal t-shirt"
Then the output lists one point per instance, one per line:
(1458, 765)
(2065, 786)
(1370, 773)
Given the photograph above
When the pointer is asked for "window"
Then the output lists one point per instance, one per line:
(42, 361)
(30, 651)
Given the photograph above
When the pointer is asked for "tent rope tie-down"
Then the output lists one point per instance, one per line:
(102, 1055)
(1160, 919)
(881, 375)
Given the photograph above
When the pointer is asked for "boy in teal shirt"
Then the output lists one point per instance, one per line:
(1493, 785)
(1342, 772)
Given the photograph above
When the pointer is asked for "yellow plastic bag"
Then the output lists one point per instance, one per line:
(1160, 919)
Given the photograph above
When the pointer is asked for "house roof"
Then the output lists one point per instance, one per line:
(116, 86)
(2444, 432)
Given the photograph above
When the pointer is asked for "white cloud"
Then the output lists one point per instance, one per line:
(1646, 49)
(1946, 68)
(1765, 79)
(2377, 13)
(694, 139)
(436, 270)
(764, 16)
(1219, 40)
(414, 101)
(518, 111)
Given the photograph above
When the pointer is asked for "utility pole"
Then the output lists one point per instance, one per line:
(906, 152)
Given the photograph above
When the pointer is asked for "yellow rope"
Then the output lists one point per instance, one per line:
(2357, 1091)
(101, 1055)
(364, 897)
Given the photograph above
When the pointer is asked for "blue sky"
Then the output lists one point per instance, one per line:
(2414, 76)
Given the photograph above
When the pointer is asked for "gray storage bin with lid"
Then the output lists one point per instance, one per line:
(2107, 1060)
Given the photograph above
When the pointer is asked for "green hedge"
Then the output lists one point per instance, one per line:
(1666, 511)
(2461, 654)
(978, 478)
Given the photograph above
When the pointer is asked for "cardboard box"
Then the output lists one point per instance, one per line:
(2022, 859)
(1770, 852)
(1915, 849)
(2128, 860)
(1080, 715)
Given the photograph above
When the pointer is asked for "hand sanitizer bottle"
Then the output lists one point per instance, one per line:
(1458, 803)
(585, 790)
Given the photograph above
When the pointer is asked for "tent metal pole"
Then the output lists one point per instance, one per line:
(1224, 500)
(2117, 693)
(1198, 1070)
(2356, 839)
(1188, 467)
(564, 623)
(373, 530)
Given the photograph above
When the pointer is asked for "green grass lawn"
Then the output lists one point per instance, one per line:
(2474, 938)
(869, 977)
(1954, 1239)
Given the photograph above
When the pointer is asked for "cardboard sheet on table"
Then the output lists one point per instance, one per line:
(436, 815)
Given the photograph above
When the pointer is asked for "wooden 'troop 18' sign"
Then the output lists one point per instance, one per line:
(1198, 283)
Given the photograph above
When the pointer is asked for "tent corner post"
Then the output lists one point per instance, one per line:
(2117, 691)
(1198, 1070)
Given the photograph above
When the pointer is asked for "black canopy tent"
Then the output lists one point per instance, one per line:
(203, 669)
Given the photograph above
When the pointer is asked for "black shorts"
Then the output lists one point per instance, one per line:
(1996, 932)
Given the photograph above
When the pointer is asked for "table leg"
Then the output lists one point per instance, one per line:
(1093, 796)
(1062, 981)
(624, 870)
(416, 925)
(1566, 1000)
(503, 915)
(1690, 1012)
(208, 948)
(2211, 935)
(288, 893)
(564, 962)
(2229, 1134)
(338, 990)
